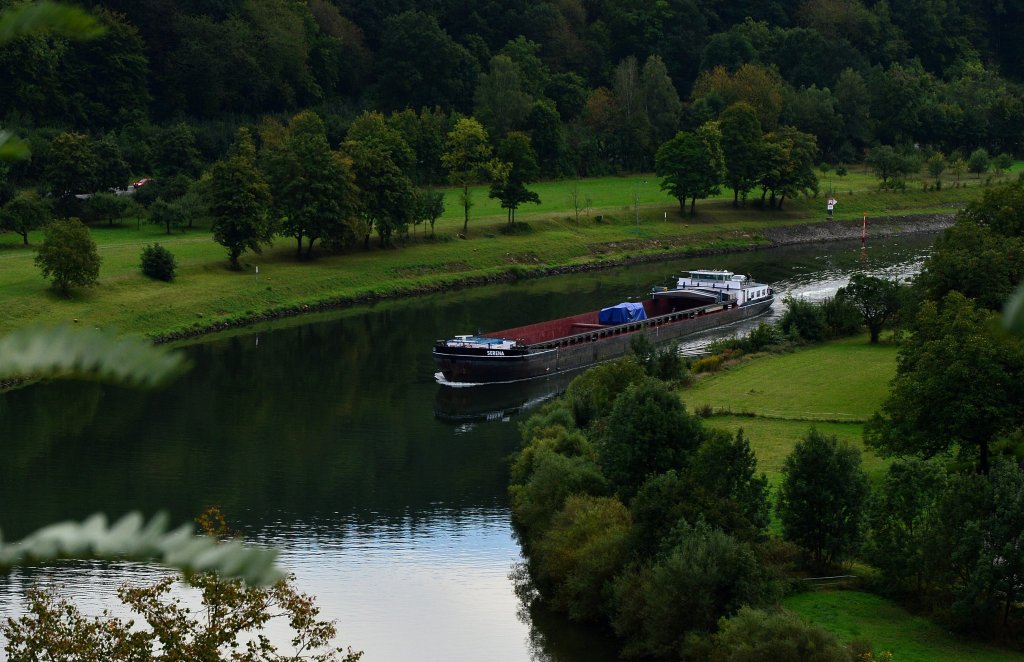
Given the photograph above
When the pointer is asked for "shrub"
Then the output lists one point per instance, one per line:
(664, 363)
(517, 228)
(803, 320)
(841, 317)
(763, 336)
(707, 364)
(158, 263)
(756, 634)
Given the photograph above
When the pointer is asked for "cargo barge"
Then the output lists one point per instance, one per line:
(701, 300)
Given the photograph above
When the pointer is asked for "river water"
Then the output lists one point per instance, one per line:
(329, 438)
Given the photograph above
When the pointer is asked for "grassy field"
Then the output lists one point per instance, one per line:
(856, 193)
(777, 398)
(855, 615)
(627, 217)
(836, 381)
(834, 387)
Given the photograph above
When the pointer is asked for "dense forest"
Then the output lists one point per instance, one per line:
(598, 85)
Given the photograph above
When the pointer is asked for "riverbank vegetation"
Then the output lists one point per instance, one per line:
(206, 294)
(617, 511)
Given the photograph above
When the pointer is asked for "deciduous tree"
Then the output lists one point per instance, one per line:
(231, 626)
(239, 201)
(973, 259)
(176, 152)
(741, 148)
(647, 432)
(959, 384)
(107, 207)
(936, 166)
(632, 124)
(166, 214)
(467, 153)
(719, 486)
(112, 170)
(421, 65)
(371, 129)
(499, 102)
(979, 161)
(517, 152)
(429, 207)
(899, 514)
(386, 193)
(691, 165)
(68, 255)
(789, 165)
(71, 165)
(23, 213)
(661, 101)
(821, 498)
(704, 576)
(312, 188)
(584, 548)
(752, 84)
(876, 298)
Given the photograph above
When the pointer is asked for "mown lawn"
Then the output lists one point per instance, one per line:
(845, 380)
(855, 615)
(777, 398)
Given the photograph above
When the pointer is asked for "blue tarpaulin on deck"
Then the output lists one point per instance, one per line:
(622, 313)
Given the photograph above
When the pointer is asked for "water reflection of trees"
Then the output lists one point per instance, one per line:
(325, 418)
(552, 636)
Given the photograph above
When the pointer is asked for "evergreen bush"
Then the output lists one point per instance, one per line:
(158, 263)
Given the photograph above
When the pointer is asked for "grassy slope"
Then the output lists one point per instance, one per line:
(834, 386)
(855, 615)
(787, 394)
(206, 291)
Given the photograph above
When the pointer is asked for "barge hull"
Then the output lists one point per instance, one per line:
(586, 349)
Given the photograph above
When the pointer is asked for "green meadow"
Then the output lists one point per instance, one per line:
(856, 615)
(625, 218)
(834, 387)
(777, 398)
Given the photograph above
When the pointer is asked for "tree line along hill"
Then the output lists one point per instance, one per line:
(598, 86)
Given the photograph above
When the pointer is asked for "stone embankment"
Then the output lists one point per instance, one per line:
(842, 230)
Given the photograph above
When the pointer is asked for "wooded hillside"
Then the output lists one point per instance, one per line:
(597, 84)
